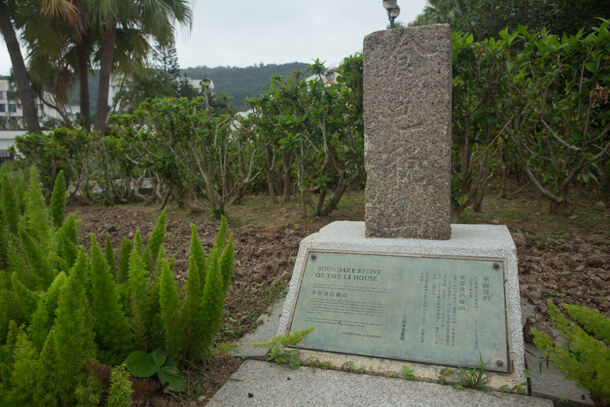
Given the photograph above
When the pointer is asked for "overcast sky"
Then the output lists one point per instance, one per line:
(247, 32)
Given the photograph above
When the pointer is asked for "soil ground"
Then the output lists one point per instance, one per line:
(566, 260)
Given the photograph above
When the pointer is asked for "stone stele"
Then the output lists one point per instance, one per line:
(407, 132)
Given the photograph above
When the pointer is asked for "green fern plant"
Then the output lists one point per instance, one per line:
(155, 242)
(124, 253)
(112, 332)
(27, 298)
(191, 308)
(67, 243)
(9, 201)
(197, 256)
(58, 200)
(74, 330)
(73, 306)
(170, 307)
(36, 214)
(44, 316)
(109, 253)
(583, 355)
(120, 388)
(47, 390)
(22, 377)
(211, 305)
(40, 264)
(289, 339)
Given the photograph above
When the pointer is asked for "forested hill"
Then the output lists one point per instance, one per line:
(239, 83)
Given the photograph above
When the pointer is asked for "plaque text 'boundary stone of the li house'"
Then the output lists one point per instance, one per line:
(407, 132)
(424, 309)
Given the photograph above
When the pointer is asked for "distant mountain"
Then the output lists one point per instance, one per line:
(239, 83)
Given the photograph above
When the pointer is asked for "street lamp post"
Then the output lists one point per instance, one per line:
(392, 9)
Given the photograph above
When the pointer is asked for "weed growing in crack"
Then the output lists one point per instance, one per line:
(350, 366)
(475, 377)
(322, 365)
(283, 356)
(407, 373)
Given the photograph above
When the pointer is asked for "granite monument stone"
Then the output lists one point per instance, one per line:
(406, 287)
(407, 132)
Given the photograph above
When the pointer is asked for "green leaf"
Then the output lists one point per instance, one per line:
(141, 364)
(159, 357)
(294, 363)
(173, 378)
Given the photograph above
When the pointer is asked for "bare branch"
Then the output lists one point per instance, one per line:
(561, 141)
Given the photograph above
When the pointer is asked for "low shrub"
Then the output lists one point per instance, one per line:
(62, 308)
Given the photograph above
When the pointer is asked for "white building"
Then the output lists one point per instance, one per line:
(11, 112)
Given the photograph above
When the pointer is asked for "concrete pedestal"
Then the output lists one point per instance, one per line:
(470, 241)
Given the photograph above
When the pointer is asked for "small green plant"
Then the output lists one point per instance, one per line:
(392, 373)
(583, 354)
(120, 388)
(289, 339)
(474, 377)
(447, 375)
(143, 365)
(322, 365)
(518, 389)
(351, 367)
(283, 356)
(553, 293)
(407, 373)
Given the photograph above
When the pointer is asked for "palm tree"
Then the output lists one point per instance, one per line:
(60, 48)
(153, 17)
(19, 71)
(22, 12)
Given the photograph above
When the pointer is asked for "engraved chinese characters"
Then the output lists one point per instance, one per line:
(407, 132)
(405, 308)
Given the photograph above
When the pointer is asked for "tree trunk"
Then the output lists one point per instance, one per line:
(287, 181)
(82, 60)
(104, 84)
(269, 171)
(320, 204)
(20, 72)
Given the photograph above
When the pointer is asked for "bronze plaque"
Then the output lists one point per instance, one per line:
(441, 310)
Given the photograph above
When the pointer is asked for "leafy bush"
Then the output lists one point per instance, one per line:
(61, 306)
(76, 151)
(527, 103)
(310, 131)
(583, 355)
(533, 104)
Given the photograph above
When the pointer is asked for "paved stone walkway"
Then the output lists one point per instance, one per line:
(259, 383)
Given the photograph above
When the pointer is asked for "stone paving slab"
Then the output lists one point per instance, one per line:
(269, 385)
(551, 383)
(267, 329)
(545, 383)
(548, 382)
